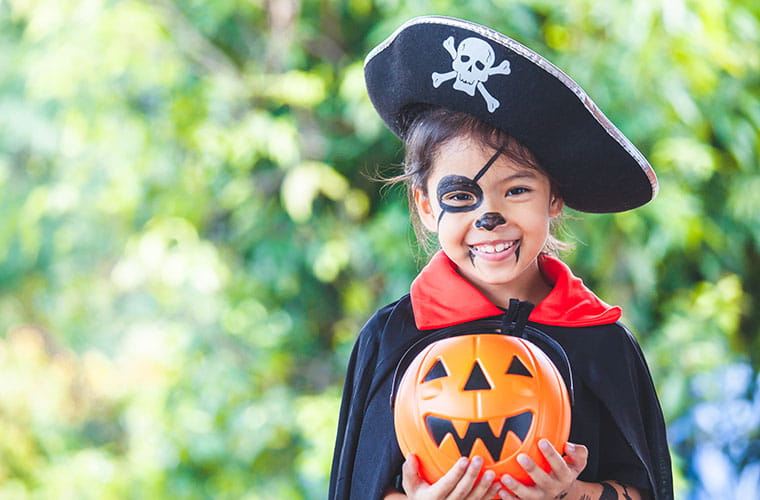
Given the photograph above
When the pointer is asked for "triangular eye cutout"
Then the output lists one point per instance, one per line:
(437, 371)
(518, 368)
(477, 380)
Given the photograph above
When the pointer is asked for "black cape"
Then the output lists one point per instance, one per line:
(616, 412)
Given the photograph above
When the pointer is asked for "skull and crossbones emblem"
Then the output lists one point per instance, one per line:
(472, 64)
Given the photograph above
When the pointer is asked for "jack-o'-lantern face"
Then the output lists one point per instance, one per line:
(488, 395)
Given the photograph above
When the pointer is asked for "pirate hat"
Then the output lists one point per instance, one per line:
(463, 66)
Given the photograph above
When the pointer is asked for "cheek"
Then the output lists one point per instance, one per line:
(453, 225)
(534, 217)
(539, 228)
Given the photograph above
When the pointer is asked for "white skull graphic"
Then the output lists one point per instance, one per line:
(472, 64)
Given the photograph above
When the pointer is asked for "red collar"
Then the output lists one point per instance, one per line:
(441, 297)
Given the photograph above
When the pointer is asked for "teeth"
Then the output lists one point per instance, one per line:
(461, 426)
(496, 424)
(499, 247)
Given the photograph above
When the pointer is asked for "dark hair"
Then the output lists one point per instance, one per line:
(431, 128)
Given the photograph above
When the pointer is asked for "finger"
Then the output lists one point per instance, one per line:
(506, 495)
(410, 474)
(560, 468)
(484, 486)
(557, 463)
(465, 485)
(493, 486)
(536, 473)
(445, 486)
(515, 489)
(577, 456)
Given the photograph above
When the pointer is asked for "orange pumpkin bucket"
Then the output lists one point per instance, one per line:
(490, 395)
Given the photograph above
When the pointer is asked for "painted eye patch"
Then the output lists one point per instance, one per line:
(457, 193)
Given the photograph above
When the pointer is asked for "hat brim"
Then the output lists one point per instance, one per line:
(596, 168)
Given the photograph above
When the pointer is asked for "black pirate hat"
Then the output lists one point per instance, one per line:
(463, 66)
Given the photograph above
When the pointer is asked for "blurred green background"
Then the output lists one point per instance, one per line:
(190, 240)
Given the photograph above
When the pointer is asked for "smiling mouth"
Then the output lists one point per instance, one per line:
(492, 248)
(439, 428)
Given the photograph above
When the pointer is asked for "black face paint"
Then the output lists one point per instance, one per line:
(457, 193)
(608, 492)
(625, 491)
(490, 220)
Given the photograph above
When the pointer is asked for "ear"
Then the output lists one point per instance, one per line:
(425, 210)
(555, 206)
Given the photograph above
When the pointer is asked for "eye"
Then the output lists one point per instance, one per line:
(458, 199)
(457, 193)
(518, 368)
(477, 380)
(517, 191)
(436, 371)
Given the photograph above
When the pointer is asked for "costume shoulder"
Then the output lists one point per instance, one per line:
(366, 455)
(608, 361)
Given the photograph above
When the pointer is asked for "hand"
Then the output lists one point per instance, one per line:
(549, 485)
(459, 483)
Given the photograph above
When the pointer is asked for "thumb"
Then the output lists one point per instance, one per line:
(410, 473)
(577, 455)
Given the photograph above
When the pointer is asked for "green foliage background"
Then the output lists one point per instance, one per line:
(190, 240)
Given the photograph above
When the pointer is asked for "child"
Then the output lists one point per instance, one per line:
(497, 141)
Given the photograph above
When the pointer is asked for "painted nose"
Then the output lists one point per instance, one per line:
(490, 220)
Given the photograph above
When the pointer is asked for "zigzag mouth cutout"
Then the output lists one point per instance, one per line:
(519, 425)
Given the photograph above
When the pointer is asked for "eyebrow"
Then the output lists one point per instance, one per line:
(531, 174)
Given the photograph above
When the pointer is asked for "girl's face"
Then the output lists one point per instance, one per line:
(492, 218)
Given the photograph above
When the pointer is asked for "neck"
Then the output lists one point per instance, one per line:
(532, 287)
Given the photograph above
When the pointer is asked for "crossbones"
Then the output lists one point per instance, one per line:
(472, 64)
